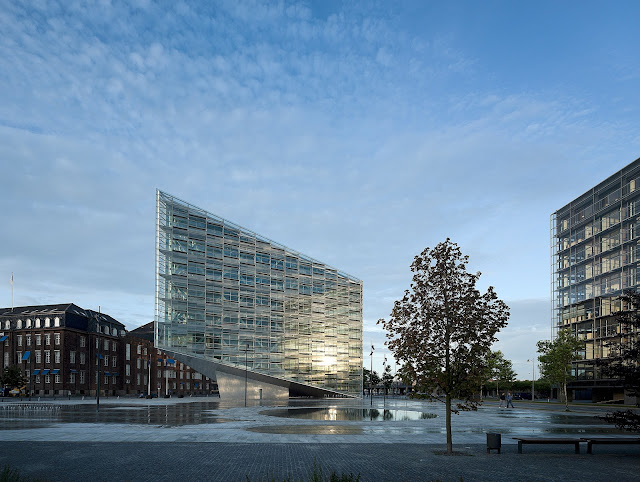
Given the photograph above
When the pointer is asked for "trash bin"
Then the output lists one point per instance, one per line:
(494, 442)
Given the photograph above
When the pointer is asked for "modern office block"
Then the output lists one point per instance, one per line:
(595, 257)
(264, 320)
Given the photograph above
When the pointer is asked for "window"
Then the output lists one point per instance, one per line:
(47, 356)
(106, 345)
(57, 379)
(38, 356)
(56, 338)
(145, 350)
(6, 358)
(159, 373)
(82, 376)
(37, 378)
(83, 342)
(56, 356)
(138, 379)
(56, 322)
(106, 380)
(106, 360)
(47, 322)
(72, 357)
(114, 361)
(38, 340)
(19, 324)
(19, 354)
(72, 378)
(114, 346)
(82, 358)
(47, 379)
(97, 343)
(19, 340)
(127, 370)
(127, 352)
(138, 364)
(47, 339)
(28, 322)
(28, 338)
(139, 349)
(37, 322)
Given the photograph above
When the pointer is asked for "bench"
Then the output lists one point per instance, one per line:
(609, 440)
(574, 441)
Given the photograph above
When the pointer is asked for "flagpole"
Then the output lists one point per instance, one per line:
(12, 291)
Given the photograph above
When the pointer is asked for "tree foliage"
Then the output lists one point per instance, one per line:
(624, 354)
(499, 370)
(623, 362)
(13, 377)
(387, 378)
(556, 357)
(443, 327)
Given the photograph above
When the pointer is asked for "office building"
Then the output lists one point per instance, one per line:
(262, 319)
(595, 257)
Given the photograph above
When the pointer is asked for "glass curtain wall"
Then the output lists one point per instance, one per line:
(225, 293)
(595, 241)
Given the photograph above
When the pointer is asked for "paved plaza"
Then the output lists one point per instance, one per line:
(205, 439)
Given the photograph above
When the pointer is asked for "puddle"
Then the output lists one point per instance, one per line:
(348, 414)
(308, 429)
(25, 416)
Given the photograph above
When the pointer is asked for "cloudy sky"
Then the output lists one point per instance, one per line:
(358, 133)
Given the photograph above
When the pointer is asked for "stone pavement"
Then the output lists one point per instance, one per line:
(201, 439)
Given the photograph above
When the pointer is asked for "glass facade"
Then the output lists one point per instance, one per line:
(595, 256)
(226, 294)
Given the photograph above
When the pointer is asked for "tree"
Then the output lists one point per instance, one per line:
(13, 377)
(443, 327)
(556, 357)
(387, 378)
(623, 362)
(499, 369)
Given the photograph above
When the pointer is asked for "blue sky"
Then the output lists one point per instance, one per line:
(358, 133)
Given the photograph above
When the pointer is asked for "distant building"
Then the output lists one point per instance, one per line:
(595, 255)
(262, 319)
(63, 348)
(59, 347)
(144, 362)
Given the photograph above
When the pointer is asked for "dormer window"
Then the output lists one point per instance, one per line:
(47, 322)
(28, 322)
(56, 321)
(37, 322)
(19, 324)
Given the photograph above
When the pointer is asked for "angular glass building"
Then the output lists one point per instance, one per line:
(595, 255)
(262, 319)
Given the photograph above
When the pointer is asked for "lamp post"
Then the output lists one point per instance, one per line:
(246, 372)
(371, 377)
(384, 385)
(533, 379)
(98, 358)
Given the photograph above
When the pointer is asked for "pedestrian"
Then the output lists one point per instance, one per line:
(510, 400)
(501, 399)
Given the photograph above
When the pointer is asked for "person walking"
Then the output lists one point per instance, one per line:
(502, 398)
(510, 400)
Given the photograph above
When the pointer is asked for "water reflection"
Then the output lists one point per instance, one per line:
(348, 414)
(19, 416)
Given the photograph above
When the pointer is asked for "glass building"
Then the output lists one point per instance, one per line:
(264, 320)
(595, 256)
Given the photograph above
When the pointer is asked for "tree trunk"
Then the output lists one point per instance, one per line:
(566, 399)
(448, 423)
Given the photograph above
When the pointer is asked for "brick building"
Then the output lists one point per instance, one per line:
(63, 348)
(67, 350)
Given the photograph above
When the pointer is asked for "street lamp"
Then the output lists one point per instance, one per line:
(371, 377)
(533, 378)
(384, 385)
(246, 373)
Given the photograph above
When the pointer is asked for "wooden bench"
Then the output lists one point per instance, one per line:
(574, 441)
(609, 440)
